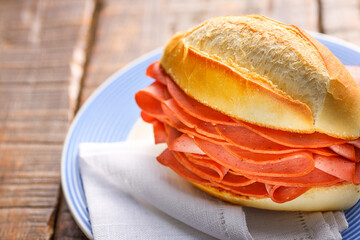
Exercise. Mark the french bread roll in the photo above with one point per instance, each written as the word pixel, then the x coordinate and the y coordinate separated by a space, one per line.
pixel 256 70
pixel 267 73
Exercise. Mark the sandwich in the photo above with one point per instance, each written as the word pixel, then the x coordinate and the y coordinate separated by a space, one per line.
pixel 257 113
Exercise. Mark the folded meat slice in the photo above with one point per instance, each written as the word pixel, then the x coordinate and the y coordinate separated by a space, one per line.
pixel 147 118
pixel 263 158
pixel 149 99
pixel 175 113
pixel 154 71
pixel 355 142
pixel 294 140
pixel 246 139
pixel 316 178
pixel 336 166
pixel 202 171
pixel 176 123
pixel 296 165
pixel 208 163
pixel 195 108
pixel 160 134
pixel 185 144
pixel 231 179
pixel 172 134
pixel 182 116
pixel 281 194
pixel 167 158
pixel 347 150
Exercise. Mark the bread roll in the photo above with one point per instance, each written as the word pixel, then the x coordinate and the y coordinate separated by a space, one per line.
pixel 266 73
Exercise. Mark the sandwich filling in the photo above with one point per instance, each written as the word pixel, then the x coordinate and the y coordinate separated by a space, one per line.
pixel 209 148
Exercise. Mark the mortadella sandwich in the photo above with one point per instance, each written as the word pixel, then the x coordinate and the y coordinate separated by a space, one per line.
pixel 257 113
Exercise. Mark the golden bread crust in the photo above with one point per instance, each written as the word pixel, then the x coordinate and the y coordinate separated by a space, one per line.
pixel 341 110
pixel 316 199
pixel 267 73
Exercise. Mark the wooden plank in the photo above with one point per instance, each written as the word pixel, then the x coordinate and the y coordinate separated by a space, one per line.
pixel 40 42
pixel 342 19
pixel 29 190
pixel 66 227
pixel 303 13
pixel 26 223
pixel 129 29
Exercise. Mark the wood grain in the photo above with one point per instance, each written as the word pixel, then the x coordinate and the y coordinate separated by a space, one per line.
pixel 66 227
pixel 342 19
pixel 38 41
pixel 129 29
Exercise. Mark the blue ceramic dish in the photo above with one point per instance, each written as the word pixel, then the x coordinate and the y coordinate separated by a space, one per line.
pixel 109 114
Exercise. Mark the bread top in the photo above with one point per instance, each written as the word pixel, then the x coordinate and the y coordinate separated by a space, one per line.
pixel 267 73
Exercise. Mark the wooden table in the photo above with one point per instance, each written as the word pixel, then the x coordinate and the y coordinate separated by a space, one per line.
pixel 54 53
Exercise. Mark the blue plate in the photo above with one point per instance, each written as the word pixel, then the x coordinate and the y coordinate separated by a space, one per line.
pixel 109 114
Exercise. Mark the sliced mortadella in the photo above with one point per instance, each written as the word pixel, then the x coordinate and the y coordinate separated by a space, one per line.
pixel 246 139
pixel 160 134
pixel 281 194
pixel 316 178
pixel 149 99
pixel 208 163
pixel 236 180
pixel 207 129
pixel 346 150
pixel 295 140
pixel 154 71
pixel 203 172
pixel 182 116
pixel 320 151
pixel 172 134
pixel 356 179
pixel 204 128
pixel 336 166
pixel 256 189
pixel 167 158
pixel 297 165
pixel 263 158
pixel 155 90
pixel 195 108
pixel 185 144
pixel 176 123
pixel 355 142
pixel 147 118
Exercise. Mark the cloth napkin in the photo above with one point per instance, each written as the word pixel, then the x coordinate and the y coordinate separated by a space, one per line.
pixel 131 196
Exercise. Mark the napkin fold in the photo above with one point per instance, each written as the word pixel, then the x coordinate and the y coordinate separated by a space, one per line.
pixel 131 196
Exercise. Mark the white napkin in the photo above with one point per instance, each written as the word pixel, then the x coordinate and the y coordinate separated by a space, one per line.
pixel 131 196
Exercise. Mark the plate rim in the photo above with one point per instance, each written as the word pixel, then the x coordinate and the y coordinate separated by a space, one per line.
pixel 113 77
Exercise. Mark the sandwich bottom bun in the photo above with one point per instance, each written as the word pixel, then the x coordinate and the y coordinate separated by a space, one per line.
pixel 316 199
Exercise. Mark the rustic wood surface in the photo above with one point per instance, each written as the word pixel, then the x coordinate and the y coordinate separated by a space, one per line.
pixel 38 39
pixel 54 54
